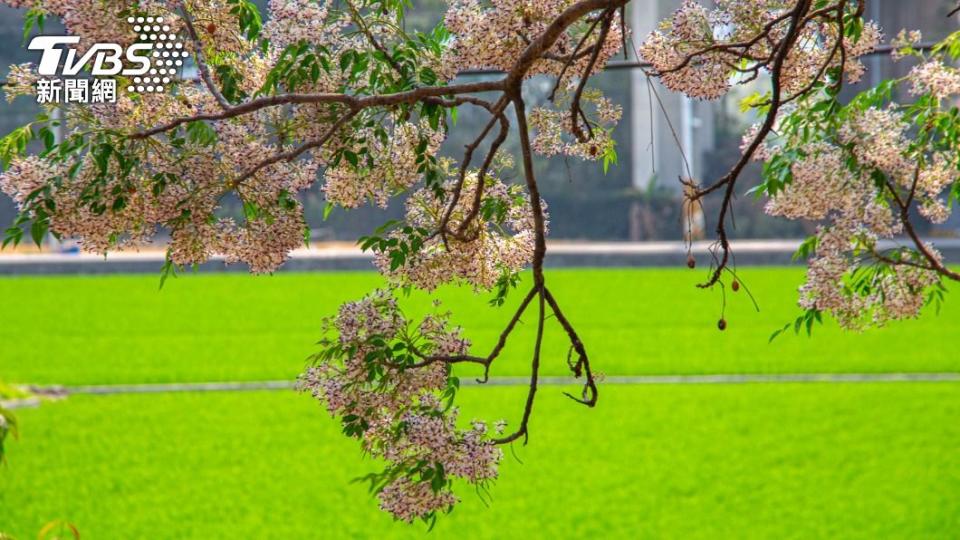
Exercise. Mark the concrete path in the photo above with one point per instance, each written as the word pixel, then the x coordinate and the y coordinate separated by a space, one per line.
pixel 345 257
pixel 786 378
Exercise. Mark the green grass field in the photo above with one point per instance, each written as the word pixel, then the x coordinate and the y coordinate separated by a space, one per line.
pixel 777 461
pixel 98 330
pixel 675 461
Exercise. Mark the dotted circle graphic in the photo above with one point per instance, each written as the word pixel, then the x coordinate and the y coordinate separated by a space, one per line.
pixel 165 60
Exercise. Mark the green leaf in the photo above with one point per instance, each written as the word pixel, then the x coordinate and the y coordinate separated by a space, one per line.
pixel 230 83
pixel 806 248
pixel 38 230
pixel 351 157
pixel 201 133
pixel 119 204
pixel 169 269
pixel 34 18
pixel 610 156
pixel 778 333
pixel 248 15
pixel 755 100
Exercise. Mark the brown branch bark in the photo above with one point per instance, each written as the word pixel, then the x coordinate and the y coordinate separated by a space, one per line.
pixel 730 179
pixel 538 49
pixel 202 62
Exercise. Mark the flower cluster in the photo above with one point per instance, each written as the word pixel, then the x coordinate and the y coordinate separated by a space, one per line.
pixel 699 51
pixel 95 21
pixel 858 295
pixel 391 168
pixel 835 183
pixel 690 30
pixel 500 242
pixel 386 379
pixel 293 21
pixel 862 170
pixel 118 192
pixel 880 140
pixel 866 42
pixel 904 42
pixel 553 126
pixel 495 37
pixel 21 81
pixel 114 191
pixel 217 25
pixel 25 176
pixel 934 78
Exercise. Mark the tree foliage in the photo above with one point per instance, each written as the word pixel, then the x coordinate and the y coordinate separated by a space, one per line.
pixel 343 94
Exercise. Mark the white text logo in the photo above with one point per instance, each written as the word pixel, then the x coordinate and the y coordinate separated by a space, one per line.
pixel 150 64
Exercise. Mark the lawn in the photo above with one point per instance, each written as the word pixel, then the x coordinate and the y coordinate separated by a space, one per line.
pixel 215 327
pixel 672 461
pixel 754 461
